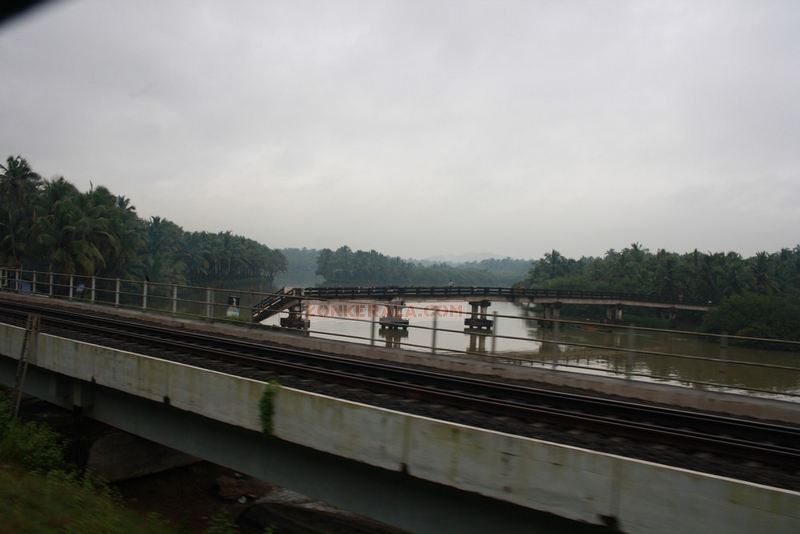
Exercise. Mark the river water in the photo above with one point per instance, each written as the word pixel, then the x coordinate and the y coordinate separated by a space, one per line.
pixel 714 362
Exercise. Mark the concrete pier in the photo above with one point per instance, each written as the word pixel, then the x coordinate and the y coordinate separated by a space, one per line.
pixel 614 313
pixel 393 337
pixel 394 317
pixel 295 319
pixel 478 321
pixel 550 311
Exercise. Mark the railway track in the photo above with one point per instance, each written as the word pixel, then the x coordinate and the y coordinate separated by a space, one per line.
pixel 739 439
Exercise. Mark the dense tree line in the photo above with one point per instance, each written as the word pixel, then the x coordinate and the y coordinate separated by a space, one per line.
pixel 345 266
pixel 757 296
pixel 51 225
pixel 508 271
pixel 694 276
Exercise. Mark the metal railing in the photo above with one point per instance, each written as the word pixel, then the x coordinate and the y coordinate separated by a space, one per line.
pixel 198 302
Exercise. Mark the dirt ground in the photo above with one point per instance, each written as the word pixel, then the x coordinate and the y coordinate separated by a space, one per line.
pixel 186 496
pixel 190 496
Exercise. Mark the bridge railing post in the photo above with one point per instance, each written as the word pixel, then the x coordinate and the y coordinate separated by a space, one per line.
pixel 435 328
pixel 33 285
pixel 116 293
pixel 144 295
pixel 71 286
pixel 19 278
pixel 174 299
pixel 50 291
pixel 94 288
pixel 373 313
pixel 629 355
pixel 723 357
pixel 494 332
pixel 209 300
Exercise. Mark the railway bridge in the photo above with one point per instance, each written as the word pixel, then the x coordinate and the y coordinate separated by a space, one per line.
pixel 314 422
pixel 551 300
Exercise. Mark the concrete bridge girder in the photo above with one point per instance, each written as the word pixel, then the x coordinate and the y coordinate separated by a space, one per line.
pixel 407 470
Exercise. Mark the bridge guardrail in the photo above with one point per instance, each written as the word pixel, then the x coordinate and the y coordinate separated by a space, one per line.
pixel 203 302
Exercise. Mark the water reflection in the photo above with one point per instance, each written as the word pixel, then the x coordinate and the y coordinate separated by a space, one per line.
pixel 477 342
pixel 393 338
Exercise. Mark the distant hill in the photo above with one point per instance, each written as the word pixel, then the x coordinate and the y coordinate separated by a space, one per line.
pixel 455 259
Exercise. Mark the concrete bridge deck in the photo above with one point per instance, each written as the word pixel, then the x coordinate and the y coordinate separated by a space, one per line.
pixel 507 293
pixel 414 472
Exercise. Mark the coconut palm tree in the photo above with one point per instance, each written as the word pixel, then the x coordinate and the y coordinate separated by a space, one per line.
pixel 19 186
pixel 68 236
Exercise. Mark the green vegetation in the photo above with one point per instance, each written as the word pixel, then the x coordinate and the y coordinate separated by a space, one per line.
pixel 58 503
pixel 266 407
pixel 757 296
pixel 49 225
pixel 32 446
pixel 695 277
pixel 221 523
pixel 39 492
pixel 361 268
pixel 753 315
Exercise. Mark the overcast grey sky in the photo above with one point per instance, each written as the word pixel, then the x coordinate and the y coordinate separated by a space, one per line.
pixel 423 128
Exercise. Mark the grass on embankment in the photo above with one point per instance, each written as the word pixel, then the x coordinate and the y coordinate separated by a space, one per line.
pixel 59 503
pixel 41 492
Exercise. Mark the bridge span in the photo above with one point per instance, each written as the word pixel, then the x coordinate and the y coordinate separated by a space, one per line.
pixel 293 299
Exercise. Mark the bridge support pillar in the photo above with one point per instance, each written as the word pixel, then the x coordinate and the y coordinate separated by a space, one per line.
pixel 393 336
pixel 618 313
pixel 295 319
pixel 394 317
pixel 550 311
pixel 547 312
pixel 477 322
pixel 477 342
pixel 610 313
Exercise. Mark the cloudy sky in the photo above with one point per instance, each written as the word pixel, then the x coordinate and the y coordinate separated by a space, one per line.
pixel 423 128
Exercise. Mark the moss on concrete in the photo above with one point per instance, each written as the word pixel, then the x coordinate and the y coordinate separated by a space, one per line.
pixel 266 407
